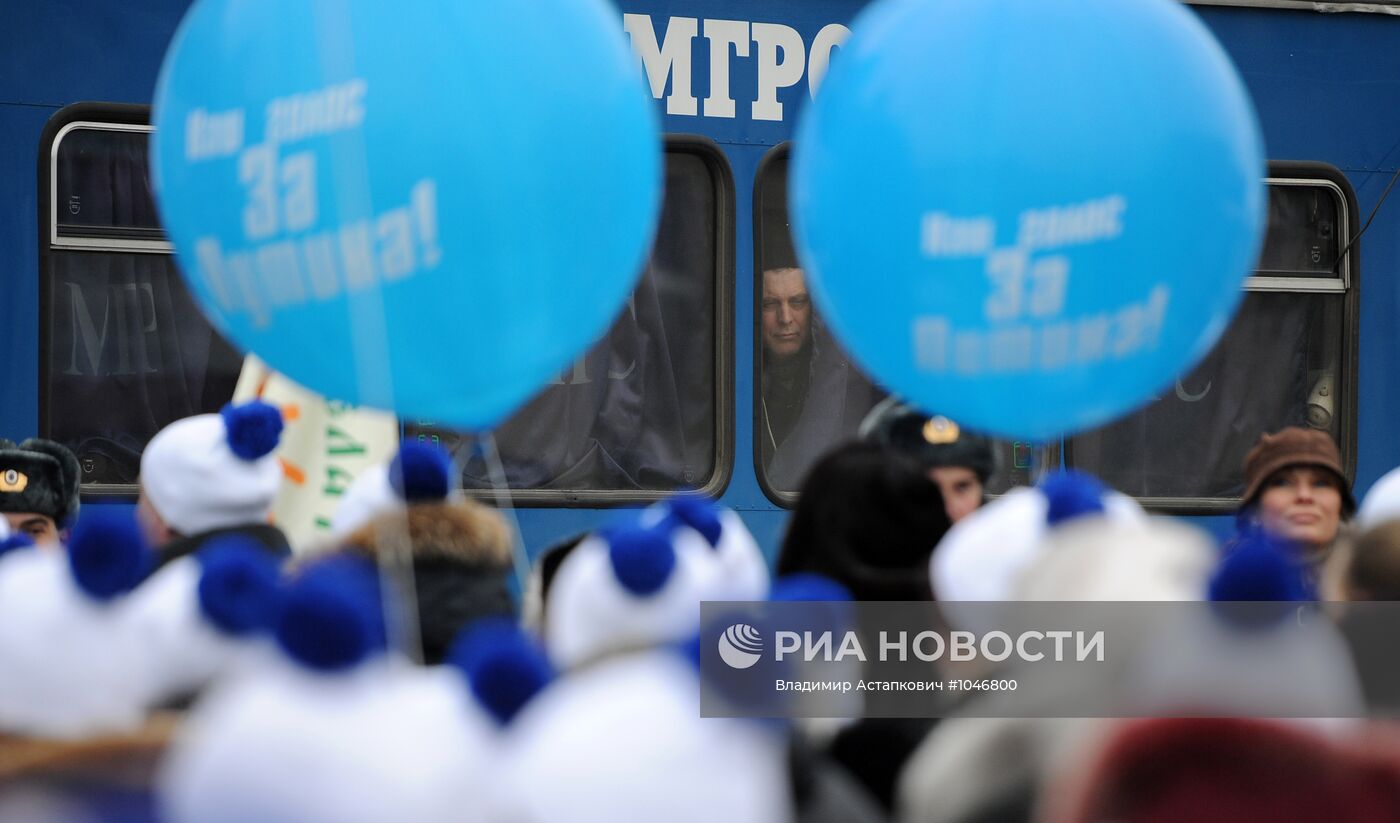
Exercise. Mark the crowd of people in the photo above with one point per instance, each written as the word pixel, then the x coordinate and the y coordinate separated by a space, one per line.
pixel 183 664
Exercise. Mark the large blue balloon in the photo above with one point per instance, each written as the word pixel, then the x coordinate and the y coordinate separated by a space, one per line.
pixel 1029 215
pixel 426 206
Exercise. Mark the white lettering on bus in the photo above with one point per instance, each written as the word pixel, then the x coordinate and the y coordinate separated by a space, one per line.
pixel 782 61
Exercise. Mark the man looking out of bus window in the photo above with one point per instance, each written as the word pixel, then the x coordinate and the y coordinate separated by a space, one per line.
pixel 787 353
pixel 812 397
pixel 38 489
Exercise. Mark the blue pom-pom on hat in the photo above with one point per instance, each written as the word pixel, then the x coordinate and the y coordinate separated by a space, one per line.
pixel 107 554
pixel 642 558
pixel 238 585
pixel 254 428
pixel 690 650
pixel 332 617
pixel 806 587
pixel 15 541
pixel 421 472
pixel 503 666
pixel 1070 494
pixel 1260 567
pixel 699 514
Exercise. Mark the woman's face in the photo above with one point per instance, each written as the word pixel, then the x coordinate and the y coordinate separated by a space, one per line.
pixel 1302 503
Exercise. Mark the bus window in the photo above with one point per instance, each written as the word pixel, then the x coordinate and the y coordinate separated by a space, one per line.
pixel 809 395
pixel 124 349
pixel 639 414
pixel 1284 361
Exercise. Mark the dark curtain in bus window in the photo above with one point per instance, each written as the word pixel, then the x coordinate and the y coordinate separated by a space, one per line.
pixel 1192 441
pixel 103 184
pixel 1302 240
pixel 637 411
pixel 128 353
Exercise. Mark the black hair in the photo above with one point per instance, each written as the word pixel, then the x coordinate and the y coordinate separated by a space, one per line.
pixel 869 518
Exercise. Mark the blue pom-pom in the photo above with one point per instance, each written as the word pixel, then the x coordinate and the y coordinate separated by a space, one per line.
pixel 698 514
pixel 807 587
pixel 642 559
pixel 503 666
pixel 19 540
pixel 1260 567
pixel 421 472
pixel 253 428
pixel 690 651
pixel 107 554
pixel 1071 494
pixel 332 614
pixel 238 589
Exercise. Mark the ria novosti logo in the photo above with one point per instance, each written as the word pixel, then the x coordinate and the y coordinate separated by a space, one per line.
pixel 740 646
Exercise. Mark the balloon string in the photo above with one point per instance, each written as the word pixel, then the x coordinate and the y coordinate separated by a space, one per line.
pixel 349 164
pixel 1040 463
pixel 395 556
pixel 501 491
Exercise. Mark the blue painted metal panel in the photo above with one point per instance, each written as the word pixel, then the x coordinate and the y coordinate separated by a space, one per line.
pixel 59 53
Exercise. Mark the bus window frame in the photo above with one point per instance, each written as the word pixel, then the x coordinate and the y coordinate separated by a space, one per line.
pixel 720 170
pixel 123 117
pixel 1321 6
pixel 778 153
pixel 1346 283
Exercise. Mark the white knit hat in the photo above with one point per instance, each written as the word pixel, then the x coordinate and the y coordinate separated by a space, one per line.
pixel 1100 559
pixel 418 473
pixel 379 742
pixel 201 616
pixel 69 668
pixel 338 729
pixel 214 471
pixel 1381 503
pixel 1272 660
pixel 984 554
pixel 623 740
pixel 632 587
pixel 743 573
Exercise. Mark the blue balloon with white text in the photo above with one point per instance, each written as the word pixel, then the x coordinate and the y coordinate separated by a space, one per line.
pixel 429 207
pixel 1029 216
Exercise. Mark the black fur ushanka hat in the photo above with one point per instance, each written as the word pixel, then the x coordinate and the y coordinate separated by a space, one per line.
pixel 39 476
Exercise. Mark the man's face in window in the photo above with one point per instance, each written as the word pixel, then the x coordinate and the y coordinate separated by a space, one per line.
pixel 787 312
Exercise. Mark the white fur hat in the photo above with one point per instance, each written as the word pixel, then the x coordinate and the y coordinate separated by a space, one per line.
pixel 624 740
pixel 633 586
pixel 1381 503
pixel 214 471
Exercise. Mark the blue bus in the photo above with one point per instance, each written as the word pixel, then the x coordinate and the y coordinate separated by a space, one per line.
pixel 104 346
